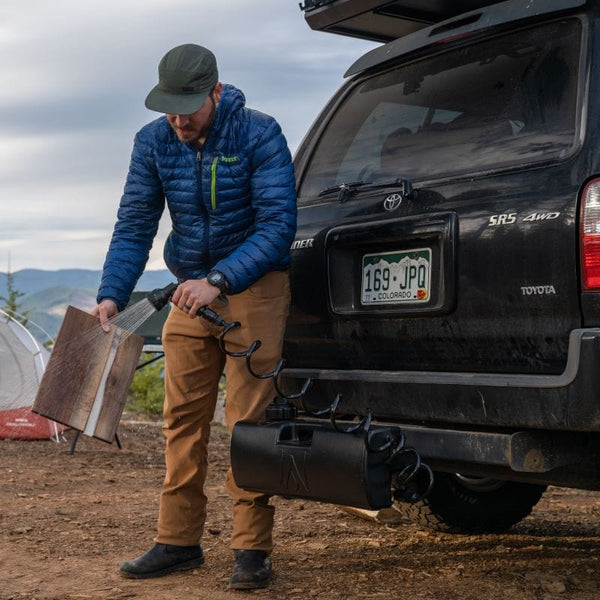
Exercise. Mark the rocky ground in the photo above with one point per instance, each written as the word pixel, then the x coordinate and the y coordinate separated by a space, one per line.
pixel 67 521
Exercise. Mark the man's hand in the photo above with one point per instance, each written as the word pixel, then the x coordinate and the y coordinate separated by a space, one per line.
pixel 194 294
pixel 105 311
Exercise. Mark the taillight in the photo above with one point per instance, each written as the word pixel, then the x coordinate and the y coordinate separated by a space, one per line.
pixel 590 236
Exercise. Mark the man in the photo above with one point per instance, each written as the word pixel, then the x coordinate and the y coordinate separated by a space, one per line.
pixel 226 174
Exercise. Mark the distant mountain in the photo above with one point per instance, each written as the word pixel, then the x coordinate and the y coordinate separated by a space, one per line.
pixel 45 309
pixel 48 293
pixel 30 281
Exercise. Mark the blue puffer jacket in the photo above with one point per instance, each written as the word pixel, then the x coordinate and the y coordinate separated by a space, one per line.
pixel 232 204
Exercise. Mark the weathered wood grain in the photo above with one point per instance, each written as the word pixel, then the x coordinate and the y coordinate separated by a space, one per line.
pixel 87 377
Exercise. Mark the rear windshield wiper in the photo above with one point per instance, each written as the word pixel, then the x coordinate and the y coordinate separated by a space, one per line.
pixel 405 187
pixel 344 190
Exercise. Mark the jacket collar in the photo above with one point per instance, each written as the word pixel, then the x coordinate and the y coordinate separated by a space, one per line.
pixel 232 100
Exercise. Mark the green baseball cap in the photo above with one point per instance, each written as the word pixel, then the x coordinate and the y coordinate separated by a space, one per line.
pixel 186 76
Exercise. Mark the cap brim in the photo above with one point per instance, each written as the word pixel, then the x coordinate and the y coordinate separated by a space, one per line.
pixel 174 104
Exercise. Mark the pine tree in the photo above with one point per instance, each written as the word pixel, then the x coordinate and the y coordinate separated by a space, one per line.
pixel 11 300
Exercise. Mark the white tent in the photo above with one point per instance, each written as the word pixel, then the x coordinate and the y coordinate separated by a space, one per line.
pixel 22 363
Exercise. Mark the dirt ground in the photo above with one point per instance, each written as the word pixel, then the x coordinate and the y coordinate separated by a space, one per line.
pixel 67 521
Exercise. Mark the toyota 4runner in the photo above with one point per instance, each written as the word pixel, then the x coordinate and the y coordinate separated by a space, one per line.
pixel 446 270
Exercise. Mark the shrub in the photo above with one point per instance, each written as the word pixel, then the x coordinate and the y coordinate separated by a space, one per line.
pixel 147 393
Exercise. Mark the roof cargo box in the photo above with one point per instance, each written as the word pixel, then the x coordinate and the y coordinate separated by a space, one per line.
pixel 382 20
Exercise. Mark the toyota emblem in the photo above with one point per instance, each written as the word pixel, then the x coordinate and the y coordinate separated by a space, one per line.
pixel 392 202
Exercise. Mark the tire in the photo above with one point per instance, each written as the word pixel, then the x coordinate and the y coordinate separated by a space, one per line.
pixel 460 504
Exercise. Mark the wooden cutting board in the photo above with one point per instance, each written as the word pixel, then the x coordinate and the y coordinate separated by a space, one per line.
pixel 86 380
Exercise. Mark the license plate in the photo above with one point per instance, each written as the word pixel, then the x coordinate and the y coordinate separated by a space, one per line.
pixel 396 277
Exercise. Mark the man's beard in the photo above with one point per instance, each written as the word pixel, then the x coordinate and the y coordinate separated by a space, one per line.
pixel 201 135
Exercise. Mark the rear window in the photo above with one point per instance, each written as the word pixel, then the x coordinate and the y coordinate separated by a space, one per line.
pixel 509 100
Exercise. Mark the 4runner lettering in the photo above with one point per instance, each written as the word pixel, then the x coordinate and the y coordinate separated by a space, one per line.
pixel 298 244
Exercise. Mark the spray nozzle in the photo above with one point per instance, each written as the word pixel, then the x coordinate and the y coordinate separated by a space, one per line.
pixel 160 296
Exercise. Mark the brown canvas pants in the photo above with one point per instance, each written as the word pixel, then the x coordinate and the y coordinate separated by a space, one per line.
pixel 194 364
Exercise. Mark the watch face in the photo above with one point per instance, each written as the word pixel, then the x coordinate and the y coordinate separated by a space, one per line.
pixel 217 279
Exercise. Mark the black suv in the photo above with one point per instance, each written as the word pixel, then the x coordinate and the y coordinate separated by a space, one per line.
pixel 446 270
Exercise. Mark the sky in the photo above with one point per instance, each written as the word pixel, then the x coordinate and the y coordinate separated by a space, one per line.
pixel 75 74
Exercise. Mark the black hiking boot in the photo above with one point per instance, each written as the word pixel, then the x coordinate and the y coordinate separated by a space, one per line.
pixel 252 570
pixel 162 559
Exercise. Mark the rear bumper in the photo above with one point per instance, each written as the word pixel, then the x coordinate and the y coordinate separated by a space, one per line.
pixel 545 457
pixel 567 401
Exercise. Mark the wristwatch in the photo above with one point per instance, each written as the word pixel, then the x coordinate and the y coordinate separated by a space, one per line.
pixel 217 279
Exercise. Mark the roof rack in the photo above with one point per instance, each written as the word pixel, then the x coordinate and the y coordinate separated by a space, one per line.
pixel 383 20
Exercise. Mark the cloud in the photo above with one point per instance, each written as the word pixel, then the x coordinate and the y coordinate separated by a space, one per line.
pixel 75 75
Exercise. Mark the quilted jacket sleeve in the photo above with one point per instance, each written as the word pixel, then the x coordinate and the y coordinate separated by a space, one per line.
pixel 273 191
pixel 139 213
